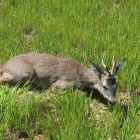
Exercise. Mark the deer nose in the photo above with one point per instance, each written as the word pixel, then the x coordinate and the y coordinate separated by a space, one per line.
pixel 113 101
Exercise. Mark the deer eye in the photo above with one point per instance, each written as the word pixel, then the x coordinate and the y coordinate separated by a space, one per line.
pixel 105 87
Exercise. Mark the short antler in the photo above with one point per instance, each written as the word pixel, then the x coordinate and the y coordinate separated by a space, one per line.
pixel 105 66
pixel 114 65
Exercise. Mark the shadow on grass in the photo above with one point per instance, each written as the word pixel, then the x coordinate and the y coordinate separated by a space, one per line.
pixel 118 107
pixel 95 94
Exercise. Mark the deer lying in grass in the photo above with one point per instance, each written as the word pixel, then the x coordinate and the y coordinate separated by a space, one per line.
pixel 46 70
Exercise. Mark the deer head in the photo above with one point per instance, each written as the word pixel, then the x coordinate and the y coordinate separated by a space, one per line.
pixel 106 79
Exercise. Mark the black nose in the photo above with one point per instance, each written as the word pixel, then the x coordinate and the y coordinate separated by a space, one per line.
pixel 113 101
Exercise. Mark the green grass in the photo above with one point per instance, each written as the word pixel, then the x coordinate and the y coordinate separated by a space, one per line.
pixel 81 30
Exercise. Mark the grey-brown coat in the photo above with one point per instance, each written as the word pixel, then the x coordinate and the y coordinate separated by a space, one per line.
pixel 46 70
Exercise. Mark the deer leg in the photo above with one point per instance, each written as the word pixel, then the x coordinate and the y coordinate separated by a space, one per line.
pixel 2 80
pixel 61 85
pixel 6 78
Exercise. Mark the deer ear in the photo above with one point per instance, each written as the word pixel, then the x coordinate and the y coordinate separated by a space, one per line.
pixel 95 68
pixel 119 67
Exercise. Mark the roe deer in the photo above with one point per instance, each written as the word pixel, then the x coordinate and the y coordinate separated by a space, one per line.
pixel 46 70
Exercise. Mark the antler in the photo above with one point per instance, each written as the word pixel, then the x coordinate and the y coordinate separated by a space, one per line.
pixel 114 65
pixel 105 66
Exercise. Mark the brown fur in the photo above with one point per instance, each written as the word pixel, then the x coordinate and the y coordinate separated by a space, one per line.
pixel 47 70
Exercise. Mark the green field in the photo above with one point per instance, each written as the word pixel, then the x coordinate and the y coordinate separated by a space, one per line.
pixel 82 30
